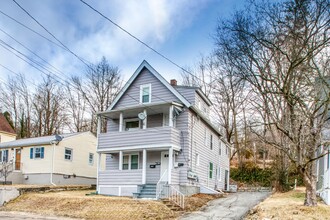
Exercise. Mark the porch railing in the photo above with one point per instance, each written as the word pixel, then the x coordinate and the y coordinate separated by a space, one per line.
pixel 175 196
pixel 160 185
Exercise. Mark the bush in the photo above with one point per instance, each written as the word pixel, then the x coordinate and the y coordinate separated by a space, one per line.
pixel 252 175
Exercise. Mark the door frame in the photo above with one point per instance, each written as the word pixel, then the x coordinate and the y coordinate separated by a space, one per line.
pixel 164 167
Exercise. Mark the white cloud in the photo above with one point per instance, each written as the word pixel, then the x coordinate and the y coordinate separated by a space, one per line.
pixel 91 36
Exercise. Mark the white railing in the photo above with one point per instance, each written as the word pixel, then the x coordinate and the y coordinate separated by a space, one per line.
pixel 160 185
pixel 175 196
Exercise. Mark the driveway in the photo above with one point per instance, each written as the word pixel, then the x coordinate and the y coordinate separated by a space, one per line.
pixel 233 206
pixel 24 215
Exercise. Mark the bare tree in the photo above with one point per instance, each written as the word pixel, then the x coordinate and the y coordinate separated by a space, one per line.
pixel 100 85
pixel 77 109
pixel 281 50
pixel 48 108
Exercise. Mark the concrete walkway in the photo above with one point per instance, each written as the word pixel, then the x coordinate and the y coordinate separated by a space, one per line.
pixel 233 206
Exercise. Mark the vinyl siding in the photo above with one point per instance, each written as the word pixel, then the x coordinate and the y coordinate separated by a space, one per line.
pixel 155 121
pixel 188 93
pixel 120 177
pixel 159 93
pixel 141 137
pixel 112 125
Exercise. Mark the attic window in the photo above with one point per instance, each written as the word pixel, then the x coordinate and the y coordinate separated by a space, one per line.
pixel 145 93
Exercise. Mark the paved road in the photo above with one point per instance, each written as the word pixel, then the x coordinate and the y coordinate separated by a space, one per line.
pixel 233 206
pixel 23 215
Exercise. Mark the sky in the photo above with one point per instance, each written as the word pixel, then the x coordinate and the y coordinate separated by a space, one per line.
pixel 178 29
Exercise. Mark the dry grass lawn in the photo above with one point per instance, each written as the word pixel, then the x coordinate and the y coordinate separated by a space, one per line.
pixel 76 204
pixel 289 205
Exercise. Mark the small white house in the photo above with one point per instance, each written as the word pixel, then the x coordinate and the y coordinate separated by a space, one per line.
pixel 56 159
pixel 323 174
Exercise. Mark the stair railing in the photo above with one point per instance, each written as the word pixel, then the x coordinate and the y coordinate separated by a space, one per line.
pixel 160 185
pixel 176 196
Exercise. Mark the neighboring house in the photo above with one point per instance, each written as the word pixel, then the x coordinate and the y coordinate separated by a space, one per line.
pixel 7 133
pixel 56 159
pixel 160 133
pixel 323 174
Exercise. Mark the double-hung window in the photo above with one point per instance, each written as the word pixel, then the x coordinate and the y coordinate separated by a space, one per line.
pixel 37 152
pixel 91 159
pixel 4 155
pixel 68 154
pixel 145 93
pixel 131 162
pixel 210 170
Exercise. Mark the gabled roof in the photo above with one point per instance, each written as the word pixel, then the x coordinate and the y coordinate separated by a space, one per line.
pixel 37 141
pixel 137 72
pixel 5 126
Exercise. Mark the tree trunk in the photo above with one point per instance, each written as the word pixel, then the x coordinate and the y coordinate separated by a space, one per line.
pixel 310 184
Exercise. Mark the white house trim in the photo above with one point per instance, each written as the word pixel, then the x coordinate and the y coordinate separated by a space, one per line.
pixel 135 148
pixel 146 65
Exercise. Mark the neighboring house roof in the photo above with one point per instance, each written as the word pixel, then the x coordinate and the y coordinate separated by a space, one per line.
pixel 46 140
pixel 146 65
pixel 5 126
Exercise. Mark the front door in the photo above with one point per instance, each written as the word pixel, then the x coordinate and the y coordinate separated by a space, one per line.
pixel 164 165
pixel 17 159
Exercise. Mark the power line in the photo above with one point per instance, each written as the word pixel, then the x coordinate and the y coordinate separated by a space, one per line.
pixel 136 38
pixel 50 33
pixel 31 29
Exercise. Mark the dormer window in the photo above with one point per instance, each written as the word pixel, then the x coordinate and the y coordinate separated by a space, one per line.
pixel 145 93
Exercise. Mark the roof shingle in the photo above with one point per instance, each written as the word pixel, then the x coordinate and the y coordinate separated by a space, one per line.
pixel 5 126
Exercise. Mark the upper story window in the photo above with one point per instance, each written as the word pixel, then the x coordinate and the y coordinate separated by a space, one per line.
pixel 211 141
pixel 37 152
pixel 145 93
pixel 220 146
pixel 68 154
pixel 132 124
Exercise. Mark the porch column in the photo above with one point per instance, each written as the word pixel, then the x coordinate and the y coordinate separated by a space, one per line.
pixel 144 166
pixel 170 116
pixel 98 171
pixel 170 163
pixel 144 122
pixel 121 119
pixel 120 160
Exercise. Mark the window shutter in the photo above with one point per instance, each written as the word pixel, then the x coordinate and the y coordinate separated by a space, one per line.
pixel 31 153
pixel 42 152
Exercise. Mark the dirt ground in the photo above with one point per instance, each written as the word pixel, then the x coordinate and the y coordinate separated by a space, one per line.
pixel 84 204
pixel 288 205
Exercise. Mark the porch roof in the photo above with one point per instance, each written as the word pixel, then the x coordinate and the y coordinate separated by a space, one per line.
pixel 131 111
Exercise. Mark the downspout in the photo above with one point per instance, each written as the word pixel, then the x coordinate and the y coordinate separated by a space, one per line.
pixel 53 159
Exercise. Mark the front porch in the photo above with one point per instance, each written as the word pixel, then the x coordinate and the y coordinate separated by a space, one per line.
pixel 124 171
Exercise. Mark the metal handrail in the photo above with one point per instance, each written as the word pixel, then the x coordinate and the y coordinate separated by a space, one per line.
pixel 160 185
pixel 175 196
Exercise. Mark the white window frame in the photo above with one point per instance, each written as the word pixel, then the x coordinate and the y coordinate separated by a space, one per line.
pixel 2 155
pixel 70 155
pixel 130 161
pixel 89 159
pixel 35 153
pixel 141 93
pixel 132 119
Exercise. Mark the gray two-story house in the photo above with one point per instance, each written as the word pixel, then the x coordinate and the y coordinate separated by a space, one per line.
pixel 159 133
